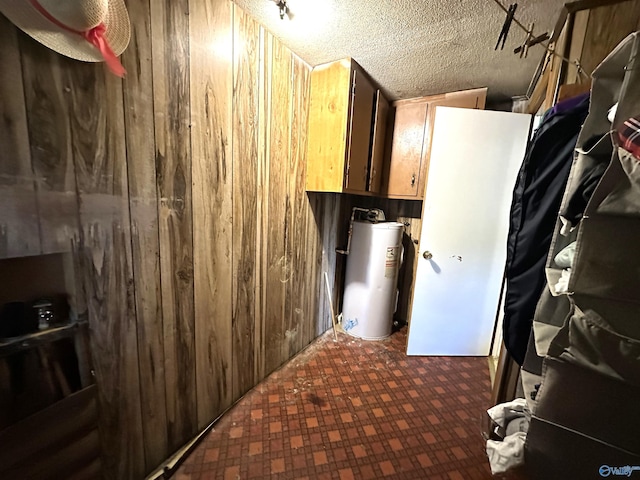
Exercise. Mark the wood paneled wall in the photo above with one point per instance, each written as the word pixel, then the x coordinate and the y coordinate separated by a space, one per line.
pixel 180 192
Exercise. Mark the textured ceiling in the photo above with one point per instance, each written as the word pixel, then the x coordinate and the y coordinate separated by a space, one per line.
pixel 414 48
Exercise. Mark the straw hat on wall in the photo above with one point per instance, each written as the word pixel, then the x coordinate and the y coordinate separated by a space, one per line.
pixel 87 30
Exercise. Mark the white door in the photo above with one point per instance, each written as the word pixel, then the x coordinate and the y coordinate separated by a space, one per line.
pixel 475 158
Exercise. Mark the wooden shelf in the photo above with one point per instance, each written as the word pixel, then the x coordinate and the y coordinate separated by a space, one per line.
pixel 25 342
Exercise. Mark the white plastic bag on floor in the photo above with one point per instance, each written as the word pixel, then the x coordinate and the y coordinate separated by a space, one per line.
pixel 514 418
pixel 507 454
pixel 505 412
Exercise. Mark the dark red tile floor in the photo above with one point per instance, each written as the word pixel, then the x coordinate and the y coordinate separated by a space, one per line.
pixel 354 410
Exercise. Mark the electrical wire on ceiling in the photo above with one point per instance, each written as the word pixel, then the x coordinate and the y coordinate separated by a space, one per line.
pixel 531 40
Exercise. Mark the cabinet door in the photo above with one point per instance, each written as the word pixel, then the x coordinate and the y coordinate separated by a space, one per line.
pixel 360 133
pixel 328 126
pixel 473 99
pixel 378 139
pixel 406 149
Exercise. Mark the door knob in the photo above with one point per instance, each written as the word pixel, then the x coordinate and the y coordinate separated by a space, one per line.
pixel 427 255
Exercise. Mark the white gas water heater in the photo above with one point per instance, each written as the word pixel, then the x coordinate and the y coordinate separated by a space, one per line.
pixel 374 255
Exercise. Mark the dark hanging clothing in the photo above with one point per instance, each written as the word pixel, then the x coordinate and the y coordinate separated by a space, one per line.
pixel 577 202
pixel 536 200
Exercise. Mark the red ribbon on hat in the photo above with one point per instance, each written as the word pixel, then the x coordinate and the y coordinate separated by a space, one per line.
pixel 94 36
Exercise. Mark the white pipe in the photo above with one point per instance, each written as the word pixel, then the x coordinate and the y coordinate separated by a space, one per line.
pixel 376 211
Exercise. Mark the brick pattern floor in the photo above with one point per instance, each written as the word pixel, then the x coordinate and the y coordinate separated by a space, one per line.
pixel 354 410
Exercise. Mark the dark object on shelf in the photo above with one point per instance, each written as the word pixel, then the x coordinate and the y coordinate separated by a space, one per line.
pixel 16 320
pixel 51 311
pixel 43 310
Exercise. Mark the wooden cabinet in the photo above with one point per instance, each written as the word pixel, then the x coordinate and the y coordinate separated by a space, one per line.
pixel 347 123
pixel 405 173
pixel 381 112
pixel 349 145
